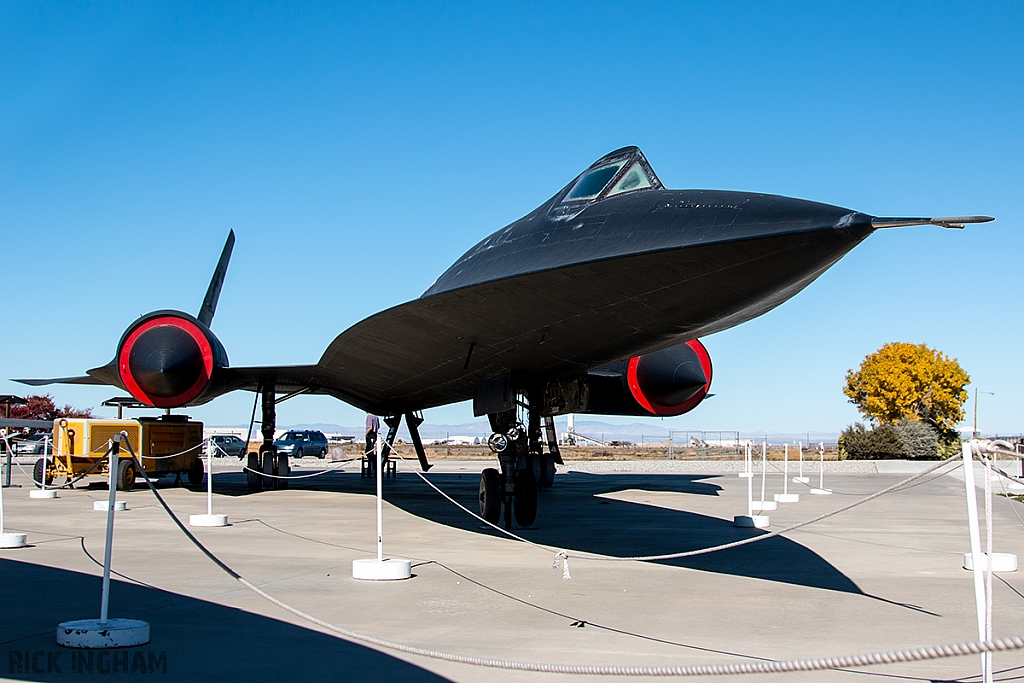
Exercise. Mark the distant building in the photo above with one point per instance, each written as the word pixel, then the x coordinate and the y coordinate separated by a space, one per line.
pixel 340 438
pixel 455 441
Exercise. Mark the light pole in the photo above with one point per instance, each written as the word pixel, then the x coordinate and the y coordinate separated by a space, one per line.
pixel 974 431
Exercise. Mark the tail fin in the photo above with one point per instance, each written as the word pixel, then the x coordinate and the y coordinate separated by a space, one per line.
pixel 209 306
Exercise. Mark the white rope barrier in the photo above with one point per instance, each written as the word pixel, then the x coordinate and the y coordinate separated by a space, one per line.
pixel 99 460
pixel 814 664
pixel 563 555
pixel 30 476
pixel 329 467
pixel 329 470
pixel 172 455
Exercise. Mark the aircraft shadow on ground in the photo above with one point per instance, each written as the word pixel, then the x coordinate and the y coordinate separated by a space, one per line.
pixel 576 515
pixel 192 639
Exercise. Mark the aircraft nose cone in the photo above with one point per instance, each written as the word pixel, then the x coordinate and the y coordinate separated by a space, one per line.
pixel 165 361
pixel 672 376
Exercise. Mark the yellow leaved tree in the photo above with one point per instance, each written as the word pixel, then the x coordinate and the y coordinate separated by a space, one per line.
pixel 909 381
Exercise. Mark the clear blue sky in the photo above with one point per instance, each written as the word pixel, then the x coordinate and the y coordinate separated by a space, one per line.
pixel 357 150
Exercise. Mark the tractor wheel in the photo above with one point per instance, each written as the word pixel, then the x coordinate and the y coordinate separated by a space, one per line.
pixel 195 473
pixel 37 473
pixel 125 475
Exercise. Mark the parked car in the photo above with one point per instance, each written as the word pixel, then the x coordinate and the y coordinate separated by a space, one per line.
pixel 33 443
pixel 297 443
pixel 229 444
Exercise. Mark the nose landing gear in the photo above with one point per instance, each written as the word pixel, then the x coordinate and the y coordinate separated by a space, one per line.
pixel 525 467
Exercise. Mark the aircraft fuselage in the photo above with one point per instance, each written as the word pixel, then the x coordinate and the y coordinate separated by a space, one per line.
pixel 558 293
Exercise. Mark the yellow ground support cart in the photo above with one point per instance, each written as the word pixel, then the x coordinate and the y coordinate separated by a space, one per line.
pixel 169 444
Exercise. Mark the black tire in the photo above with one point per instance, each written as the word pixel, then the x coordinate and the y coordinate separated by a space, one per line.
pixel 490 495
pixel 323 453
pixel 298 453
pixel 547 471
pixel 195 473
pixel 284 468
pixel 536 461
pixel 268 468
pixel 525 498
pixel 37 473
pixel 252 473
pixel 126 475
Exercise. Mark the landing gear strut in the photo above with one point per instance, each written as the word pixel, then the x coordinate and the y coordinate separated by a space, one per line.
pixel 268 461
pixel 369 461
pixel 525 467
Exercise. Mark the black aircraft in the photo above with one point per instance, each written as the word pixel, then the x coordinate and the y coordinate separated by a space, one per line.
pixel 592 303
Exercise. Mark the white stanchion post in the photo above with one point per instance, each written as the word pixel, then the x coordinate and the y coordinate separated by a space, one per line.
pixel 8 461
pixel 380 500
pixel 763 504
pixel 801 479
pixel 988 564
pixel 750 520
pixel 209 478
pixel 381 569
pixel 764 463
pixel 786 496
pixel 112 464
pixel 821 490
pixel 104 505
pixel 42 492
pixel 104 632
pixel 998 563
pixel 748 464
pixel 750 484
pixel 209 519
pixel 8 540
pixel 978 559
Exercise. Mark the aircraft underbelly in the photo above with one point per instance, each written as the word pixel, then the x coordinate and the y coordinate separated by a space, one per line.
pixel 564 321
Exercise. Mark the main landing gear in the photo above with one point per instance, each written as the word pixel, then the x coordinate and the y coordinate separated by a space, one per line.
pixel 412 422
pixel 525 467
pixel 268 461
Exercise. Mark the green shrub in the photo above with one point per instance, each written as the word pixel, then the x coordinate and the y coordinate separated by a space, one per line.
pixel 880 443
pixel 910 439
pixel 919 440
pixel 949 444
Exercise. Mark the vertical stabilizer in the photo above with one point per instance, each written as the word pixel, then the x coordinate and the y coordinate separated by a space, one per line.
pixel 209 306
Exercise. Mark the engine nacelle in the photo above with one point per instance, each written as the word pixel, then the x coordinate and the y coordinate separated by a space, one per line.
pixel 671 381
pixel 666 383
pixel 166 358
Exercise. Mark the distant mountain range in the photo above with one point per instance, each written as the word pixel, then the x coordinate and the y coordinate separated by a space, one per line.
pixel 603 431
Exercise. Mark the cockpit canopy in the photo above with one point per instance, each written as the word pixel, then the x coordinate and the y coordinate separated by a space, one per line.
pixel 624 170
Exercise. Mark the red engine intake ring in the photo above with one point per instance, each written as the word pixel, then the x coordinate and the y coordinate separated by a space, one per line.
pixel 133 387
pixel 671 411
